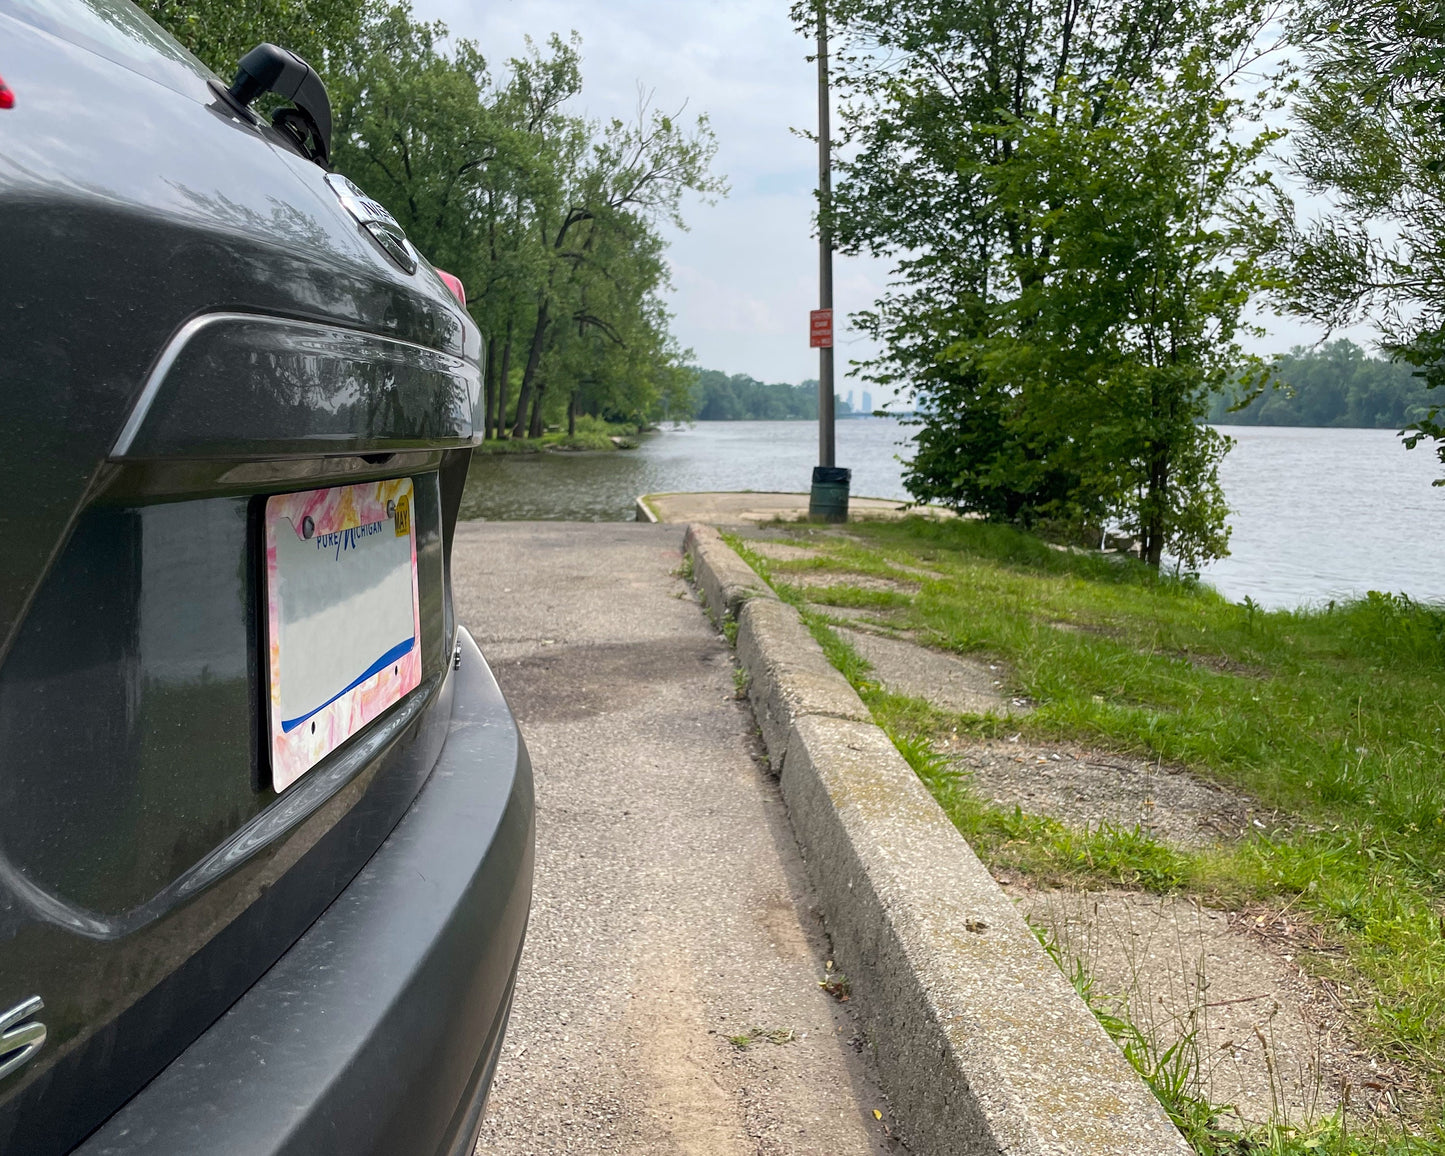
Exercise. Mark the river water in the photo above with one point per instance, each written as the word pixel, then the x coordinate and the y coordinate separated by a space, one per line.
pixel 1317 513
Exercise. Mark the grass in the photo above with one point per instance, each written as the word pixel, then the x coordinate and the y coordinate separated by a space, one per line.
pixel 1049 851
pixel 1332 715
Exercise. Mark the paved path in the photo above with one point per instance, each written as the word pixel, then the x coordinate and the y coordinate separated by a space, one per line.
pixel 729 508
pixel 671 911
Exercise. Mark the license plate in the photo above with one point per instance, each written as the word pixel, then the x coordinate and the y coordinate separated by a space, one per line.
pixel 343 629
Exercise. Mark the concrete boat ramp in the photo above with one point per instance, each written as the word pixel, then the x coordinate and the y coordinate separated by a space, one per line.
pixel 668 999
pixel 757 506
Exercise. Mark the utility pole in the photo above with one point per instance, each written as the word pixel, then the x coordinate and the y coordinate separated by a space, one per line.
pixel 825 243
pixel 829 496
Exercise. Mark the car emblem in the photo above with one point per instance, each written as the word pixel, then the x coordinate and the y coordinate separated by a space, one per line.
pixel 378 223
pixel 20 1040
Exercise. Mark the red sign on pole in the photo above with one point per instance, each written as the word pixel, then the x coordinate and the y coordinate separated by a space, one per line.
pixel 820 329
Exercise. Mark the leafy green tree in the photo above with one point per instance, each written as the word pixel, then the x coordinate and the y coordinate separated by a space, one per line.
pixel 1337 384
pixel 612 344
pixel 220 32
pixel 718 397
pixel 468 164
pixel 1064 188
pixel 1125 326
pixel 630 179
pixel 413 129
pixel 1371 137
pixel 551 220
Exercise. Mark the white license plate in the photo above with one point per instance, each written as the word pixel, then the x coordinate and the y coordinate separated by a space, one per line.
pixel 343 626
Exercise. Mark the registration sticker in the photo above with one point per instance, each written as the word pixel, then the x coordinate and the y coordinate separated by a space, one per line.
pixel 343 625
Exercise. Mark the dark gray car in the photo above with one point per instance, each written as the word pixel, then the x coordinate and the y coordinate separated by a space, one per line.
pixel 249 903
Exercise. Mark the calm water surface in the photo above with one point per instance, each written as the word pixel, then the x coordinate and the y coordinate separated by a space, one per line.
pixel 1317 513
pixel 711 455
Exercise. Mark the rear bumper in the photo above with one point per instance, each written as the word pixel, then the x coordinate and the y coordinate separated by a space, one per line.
pixel 377 1033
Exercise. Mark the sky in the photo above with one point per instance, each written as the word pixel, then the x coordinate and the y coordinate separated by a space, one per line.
pixel 745 274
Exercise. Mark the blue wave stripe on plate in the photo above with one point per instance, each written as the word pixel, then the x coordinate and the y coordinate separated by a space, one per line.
pixel 401 648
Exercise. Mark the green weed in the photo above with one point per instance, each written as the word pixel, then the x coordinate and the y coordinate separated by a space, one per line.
pixel 776 1036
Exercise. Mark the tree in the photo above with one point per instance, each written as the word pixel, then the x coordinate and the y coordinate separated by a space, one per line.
pixel 1124 324
pixel 1371 137
pixel 467 164
pixel 614 195
pixel 1063 192
pixel 1337 384
pixel 412 127
pixel 718 397
pixel 551 220
pixel 220 32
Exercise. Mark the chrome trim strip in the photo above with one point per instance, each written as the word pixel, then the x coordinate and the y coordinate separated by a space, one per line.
pixel 20 1043
pixel 21 1011
pixel 158 373
pixel 186 332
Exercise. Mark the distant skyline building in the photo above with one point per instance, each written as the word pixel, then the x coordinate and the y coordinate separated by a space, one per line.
pixel 849 399
pixel 867 401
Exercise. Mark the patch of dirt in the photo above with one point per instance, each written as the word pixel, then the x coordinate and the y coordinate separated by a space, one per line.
pixel 690 1111
pixel 1086 628
pixel 696 1092
pixel 1221 664
pixel 948 681
pixel 1084 788
pixel 778 920
pixel 778 531
pixel 781 551
pixel 790 545
pixel 865 616
pixel 814 578
pixel 921 571
pixel 1268 1037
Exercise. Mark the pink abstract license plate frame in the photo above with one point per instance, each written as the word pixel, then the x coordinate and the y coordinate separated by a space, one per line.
pixel 343 619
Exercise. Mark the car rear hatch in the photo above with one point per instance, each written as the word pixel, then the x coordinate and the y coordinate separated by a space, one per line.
pixel 192 325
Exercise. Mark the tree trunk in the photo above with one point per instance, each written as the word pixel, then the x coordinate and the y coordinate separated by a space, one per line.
pixel 572 415
pixel 489 391
pixel 1153 549
pixel 534 357
pixel 535 429
pixel 499 413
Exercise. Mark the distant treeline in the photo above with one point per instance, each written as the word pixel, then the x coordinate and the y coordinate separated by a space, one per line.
pixel 1338 384
pixel 719 397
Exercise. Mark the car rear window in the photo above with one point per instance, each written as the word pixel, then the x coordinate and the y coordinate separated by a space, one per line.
pixel 118 31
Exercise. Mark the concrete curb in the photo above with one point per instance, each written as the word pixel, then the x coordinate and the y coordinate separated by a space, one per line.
pixel 789 676
pixel 726 581
pixel 982 1044
pixel 643 511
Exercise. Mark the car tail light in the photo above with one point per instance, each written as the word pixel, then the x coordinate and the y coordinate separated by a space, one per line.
pixel 454 283
pixel 7 100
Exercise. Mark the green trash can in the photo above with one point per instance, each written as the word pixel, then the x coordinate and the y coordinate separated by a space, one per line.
pixel 829 498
